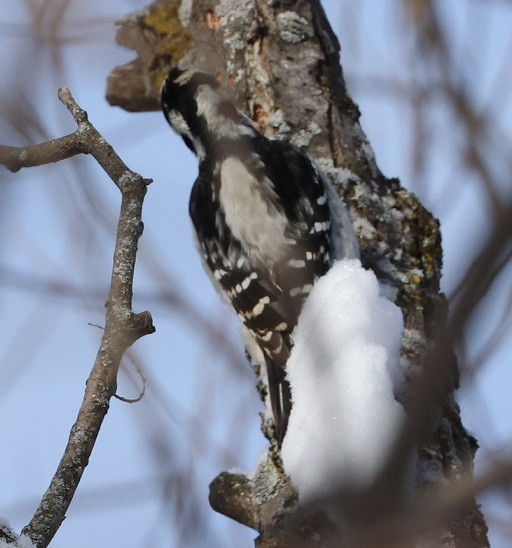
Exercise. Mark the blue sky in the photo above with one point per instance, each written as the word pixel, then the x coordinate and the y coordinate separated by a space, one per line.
pixel 49 347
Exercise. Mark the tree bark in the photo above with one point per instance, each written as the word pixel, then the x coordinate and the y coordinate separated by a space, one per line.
pixel 281 62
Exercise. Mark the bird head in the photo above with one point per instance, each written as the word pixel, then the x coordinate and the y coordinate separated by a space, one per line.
pixel 198 109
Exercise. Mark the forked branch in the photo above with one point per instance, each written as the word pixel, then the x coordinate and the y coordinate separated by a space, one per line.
pixel 122 327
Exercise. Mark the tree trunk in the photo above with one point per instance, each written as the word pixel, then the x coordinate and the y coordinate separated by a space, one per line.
pixel 281 62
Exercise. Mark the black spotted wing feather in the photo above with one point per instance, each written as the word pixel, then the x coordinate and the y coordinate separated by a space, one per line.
pixel 244 283
pixel 267 299
pixel 300 186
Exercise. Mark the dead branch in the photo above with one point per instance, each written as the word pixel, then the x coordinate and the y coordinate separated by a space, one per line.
pixel 122 328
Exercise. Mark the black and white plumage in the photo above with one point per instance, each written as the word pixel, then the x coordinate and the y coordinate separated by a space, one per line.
pixel 262 217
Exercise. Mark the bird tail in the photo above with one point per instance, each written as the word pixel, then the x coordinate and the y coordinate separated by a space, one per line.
pixel 275 351
pixel 280 397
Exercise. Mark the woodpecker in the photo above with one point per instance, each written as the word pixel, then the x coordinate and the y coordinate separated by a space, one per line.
pixel 263 216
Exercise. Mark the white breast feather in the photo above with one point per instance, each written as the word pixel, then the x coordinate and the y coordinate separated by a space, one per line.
pixel 257 224
pixel 180 126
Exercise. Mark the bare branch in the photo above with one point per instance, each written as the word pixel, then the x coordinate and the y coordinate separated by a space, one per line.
pixel 85 140
pixel 122 328
pixel 14 158
pixel 231 495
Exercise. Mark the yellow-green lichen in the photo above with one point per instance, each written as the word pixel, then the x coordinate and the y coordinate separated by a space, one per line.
pixel 174 39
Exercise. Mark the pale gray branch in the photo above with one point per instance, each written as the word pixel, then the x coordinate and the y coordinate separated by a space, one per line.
pixel 122 327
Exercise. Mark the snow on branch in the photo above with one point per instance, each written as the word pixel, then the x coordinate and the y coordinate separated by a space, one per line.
pixel 344 372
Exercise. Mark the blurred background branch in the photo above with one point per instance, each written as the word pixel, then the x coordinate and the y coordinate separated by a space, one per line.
pixel 432 80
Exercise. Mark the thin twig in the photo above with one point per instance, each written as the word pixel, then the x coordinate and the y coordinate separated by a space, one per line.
pixel 122 326
pixel 138 368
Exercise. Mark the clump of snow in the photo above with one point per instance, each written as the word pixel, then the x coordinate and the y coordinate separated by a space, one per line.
pixel 344 371
pixel 25 542
pixel 22 541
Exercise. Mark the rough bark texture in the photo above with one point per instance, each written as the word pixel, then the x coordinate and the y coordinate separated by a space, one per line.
pixel 281 62
pixel 122 327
